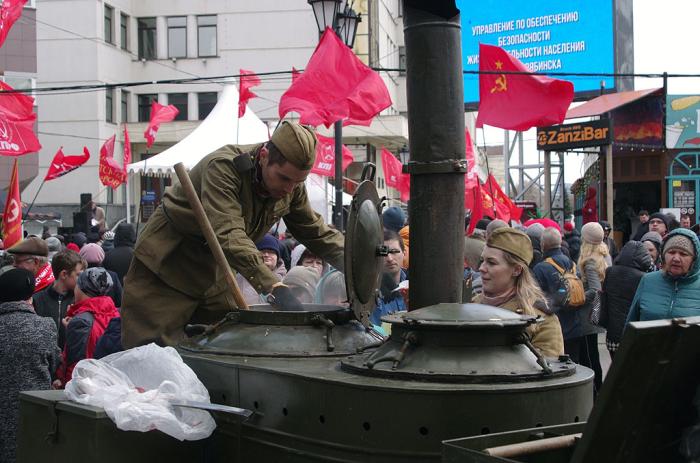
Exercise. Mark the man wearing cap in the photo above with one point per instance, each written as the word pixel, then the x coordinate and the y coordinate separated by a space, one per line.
pixel 674 292
pixel 30 254
pixel 174 280
pixel 659 222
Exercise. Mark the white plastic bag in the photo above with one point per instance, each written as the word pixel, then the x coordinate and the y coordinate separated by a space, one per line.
pixel 135 388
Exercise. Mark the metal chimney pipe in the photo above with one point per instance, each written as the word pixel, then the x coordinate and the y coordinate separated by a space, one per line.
pixel 435 96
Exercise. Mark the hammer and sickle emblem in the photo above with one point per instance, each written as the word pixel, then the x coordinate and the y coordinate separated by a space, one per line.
pixel 501 84
pixel 14 211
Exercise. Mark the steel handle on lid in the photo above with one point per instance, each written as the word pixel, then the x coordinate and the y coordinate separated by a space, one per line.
pixel 209 234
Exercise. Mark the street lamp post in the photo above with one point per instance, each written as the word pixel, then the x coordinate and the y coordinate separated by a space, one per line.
pixel 339 16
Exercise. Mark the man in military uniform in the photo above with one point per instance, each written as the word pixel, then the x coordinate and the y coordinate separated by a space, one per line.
pixel 173 278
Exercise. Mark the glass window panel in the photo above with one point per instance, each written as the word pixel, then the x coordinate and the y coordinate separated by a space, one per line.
pixel 206 35
pixel 125 106
pixel 177 37
pixel 206 101
pixel 206 20
pixel 147 38
pixel 179 100
pixel 109 105
pixel 124 31
pixel 109 16
pixel 145 106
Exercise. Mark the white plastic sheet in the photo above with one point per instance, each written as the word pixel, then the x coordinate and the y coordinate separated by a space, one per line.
pixel 135 388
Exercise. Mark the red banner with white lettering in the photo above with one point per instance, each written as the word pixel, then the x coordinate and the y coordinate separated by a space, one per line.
pixel 44 277
pixel 10 11
pixel 111 173
pixel 62 164
pixel 17 119
pixel 159 115
pixel 12 214
pixel 325 157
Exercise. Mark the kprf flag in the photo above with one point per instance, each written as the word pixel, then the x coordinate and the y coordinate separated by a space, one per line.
pixel 111 173
pixel 127 151
pixel 62 164
pixel 17 119
pixel 335 86
pixel 10 11
pixel 393 175
pixel 469 151
pixel 159 115
pixel 325 157
pixel 518 101
pixel 12 214
pixel 247 80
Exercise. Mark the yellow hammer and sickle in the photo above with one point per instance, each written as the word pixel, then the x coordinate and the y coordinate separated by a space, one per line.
pixel 501 84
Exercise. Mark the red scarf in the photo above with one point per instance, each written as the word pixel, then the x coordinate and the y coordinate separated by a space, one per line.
pixel 103 310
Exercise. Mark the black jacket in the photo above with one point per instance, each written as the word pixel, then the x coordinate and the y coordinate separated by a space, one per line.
pixel 49 303
pixel 642 230
pixel 119 258
pixel 620 285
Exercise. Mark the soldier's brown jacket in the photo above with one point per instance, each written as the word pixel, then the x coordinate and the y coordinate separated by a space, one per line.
pixel 172 245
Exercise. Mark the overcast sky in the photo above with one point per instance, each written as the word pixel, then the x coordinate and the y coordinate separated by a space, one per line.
pixel 666 38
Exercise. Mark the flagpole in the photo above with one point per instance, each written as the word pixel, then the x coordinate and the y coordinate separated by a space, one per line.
pixel 35 196
pixel 138 215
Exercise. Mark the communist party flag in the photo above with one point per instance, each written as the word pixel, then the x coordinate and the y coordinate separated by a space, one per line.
pixel 518 101
pixel 17 119
pixel 12 214
pixel 469 151
pixel 473 200
pixel 247 80
pixel 335 86
pixel 10 11
pixel 159 115
pixel 62 164
pixel 111 173
pixel 127 150
pixel 393 175
pixel 325 157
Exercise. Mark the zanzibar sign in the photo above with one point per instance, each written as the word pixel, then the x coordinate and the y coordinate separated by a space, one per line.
pixel 580 135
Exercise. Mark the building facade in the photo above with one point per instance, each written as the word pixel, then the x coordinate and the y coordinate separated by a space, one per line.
pixel 93 42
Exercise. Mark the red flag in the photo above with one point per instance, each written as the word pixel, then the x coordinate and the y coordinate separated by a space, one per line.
pixel 248 80
pixel 127 149
pixel 518 101
pixel 325 157
pixel 504 204
pixel 10 11
pixel 17 119
pixel 62 164
pixel 469 151
pixel 44 277
pixel 335 86
pixel 159 115
pixel 473 200
pixel 12 214
pixel 393 176
pixel 111 173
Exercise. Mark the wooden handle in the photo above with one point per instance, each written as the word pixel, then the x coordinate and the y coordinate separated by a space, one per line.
pixel 209 234
pixel 531 447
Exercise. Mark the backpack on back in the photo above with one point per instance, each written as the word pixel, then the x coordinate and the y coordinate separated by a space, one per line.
pixel 570 285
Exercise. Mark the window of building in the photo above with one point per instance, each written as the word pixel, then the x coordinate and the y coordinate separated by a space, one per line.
pixel 109 22
pixel 207 101
pixel 177 37
pixel 147 38
pixel 206 35
pixel 402 60
pixel 125 106
pixel 145 106
pixel 179 100
pixel 109 105
pixel 124 31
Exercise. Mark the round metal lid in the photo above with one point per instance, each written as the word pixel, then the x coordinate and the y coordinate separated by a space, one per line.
pixel 460 315
pixel 364 244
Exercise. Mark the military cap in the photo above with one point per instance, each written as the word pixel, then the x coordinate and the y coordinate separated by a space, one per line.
pixel 297 143
pixel 33 246
pixel 513 242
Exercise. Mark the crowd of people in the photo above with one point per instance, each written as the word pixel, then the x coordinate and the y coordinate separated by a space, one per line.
pixel 60 297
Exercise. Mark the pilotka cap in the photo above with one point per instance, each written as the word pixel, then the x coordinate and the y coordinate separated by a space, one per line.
pixel 511 241
pixel 297 143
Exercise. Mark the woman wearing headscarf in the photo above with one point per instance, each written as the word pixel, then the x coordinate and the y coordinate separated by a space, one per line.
pixel 508 284
pixel 652 241
pixel 674 292
pixel 592 262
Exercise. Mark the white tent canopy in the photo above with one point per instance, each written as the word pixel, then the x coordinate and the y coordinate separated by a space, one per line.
pixel 221 127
